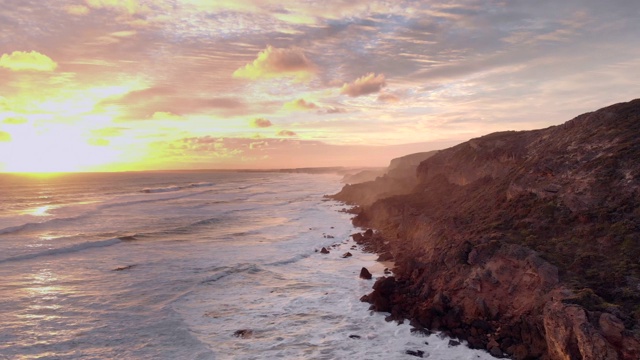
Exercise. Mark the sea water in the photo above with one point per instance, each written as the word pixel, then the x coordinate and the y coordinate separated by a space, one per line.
pixel 189 265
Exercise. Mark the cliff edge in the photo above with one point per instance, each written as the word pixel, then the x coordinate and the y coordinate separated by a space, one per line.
pixel 526 244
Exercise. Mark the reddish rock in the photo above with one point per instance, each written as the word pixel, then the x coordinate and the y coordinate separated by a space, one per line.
pixel 346 255
pixel 612 328
pixel 365 274
pixel 324 251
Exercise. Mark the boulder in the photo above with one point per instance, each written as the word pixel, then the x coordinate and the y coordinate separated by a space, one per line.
pixel 365 274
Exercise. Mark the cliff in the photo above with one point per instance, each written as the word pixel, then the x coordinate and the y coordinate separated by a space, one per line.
pixel 398 178
pixel 526 244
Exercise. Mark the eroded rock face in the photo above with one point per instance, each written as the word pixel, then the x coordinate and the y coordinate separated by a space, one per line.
pixel 502 237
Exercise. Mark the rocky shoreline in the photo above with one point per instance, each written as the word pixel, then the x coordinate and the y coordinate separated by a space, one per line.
pixel 525 244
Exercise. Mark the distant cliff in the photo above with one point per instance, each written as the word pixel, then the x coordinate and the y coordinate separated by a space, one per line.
pixel 526 244
pixel 399 178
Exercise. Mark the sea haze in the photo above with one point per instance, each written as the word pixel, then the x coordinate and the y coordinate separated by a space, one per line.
pixel 170 265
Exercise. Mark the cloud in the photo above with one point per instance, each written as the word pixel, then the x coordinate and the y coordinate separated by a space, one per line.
pixel 334 110
pixel 299 104
pixel 165 115
pixel 164 103
pixel 286 133
pixel 388 98
pixel 27 61
pixel 15 120
pixel 99 142
pixel 127 6
pixel 365 85
pixel 77 10
pixel 261 123
pixel 5 136
pixel 275 62
pixel 108 131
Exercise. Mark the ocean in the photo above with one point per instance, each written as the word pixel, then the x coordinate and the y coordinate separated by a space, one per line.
pixel 189 265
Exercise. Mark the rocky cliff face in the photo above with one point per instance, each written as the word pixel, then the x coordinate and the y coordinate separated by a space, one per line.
pixel 526 244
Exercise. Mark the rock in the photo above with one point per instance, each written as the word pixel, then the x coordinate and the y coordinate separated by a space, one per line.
pixel 324 251
pixel 346 255
pixel 383 289
pixel 570 335
pixel 495 351
pixel 354 336
pixel 416 353
pixel 453 343
pixel 492 343
pixel 368 234
pixel 611 327
pixel 121 268
pixel 365 274
pixel 357 237
pixel 385 256
pixel 421 331
pixel 243 333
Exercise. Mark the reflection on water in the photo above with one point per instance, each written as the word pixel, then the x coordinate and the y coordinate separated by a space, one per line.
pixel 42 295
pixel 40 210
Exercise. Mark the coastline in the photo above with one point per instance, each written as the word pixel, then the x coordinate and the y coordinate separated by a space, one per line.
pixel 523 244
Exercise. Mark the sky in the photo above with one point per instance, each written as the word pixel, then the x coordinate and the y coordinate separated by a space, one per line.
pixel 120 85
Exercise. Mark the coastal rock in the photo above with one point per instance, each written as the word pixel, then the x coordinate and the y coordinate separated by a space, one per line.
pixel 347 255
pixel 416 353
pixel 365 274
pixel 122 268
pixel 243 333
pixel 324 251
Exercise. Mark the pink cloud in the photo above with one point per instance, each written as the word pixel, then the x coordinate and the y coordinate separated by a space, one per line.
pixel 365 85
pixel 275 62
pixel 286 133
pixel 300 104
pixel 261 123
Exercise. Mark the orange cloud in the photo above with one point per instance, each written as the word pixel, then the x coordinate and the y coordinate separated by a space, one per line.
pixel 286 133
pixel 299 104
pixel 5 136
pixel 388 98
pixel 365 85
pixel 274 62
pixel 261 123
pixel 27 61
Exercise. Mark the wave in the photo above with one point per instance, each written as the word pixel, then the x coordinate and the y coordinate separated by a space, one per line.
pixel 36 225
pixel 64 250
pixel 54 221
pixel 290 260
pixel 172 188
pixel 224 271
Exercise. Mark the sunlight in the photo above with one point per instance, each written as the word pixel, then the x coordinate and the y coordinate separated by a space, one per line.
pixel 41 210
pixel 58 148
